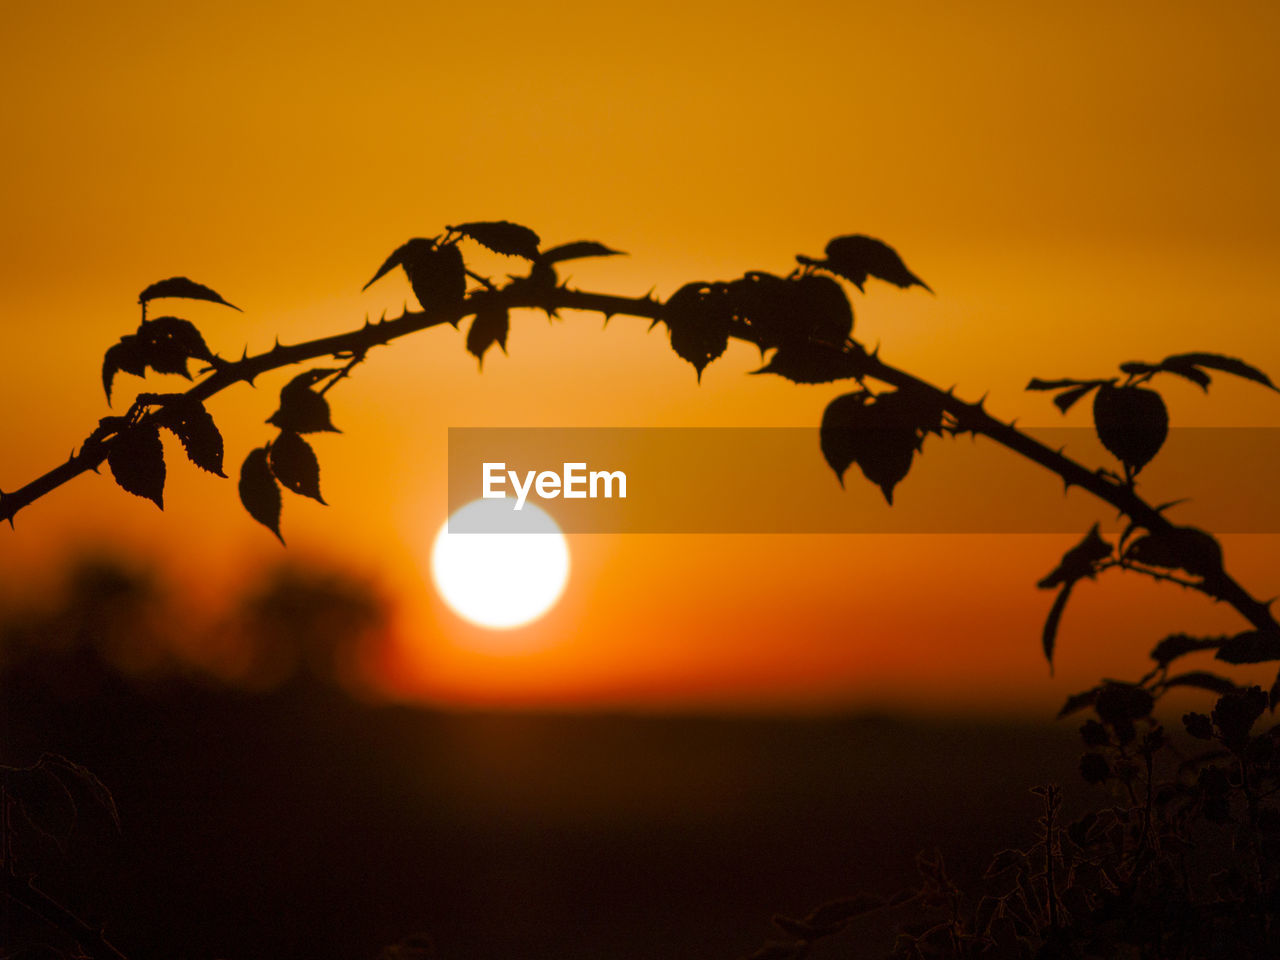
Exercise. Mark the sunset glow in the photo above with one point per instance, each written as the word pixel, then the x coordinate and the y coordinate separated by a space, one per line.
pixel 1080 187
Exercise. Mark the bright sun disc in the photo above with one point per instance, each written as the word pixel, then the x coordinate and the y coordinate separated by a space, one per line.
pixel 500 580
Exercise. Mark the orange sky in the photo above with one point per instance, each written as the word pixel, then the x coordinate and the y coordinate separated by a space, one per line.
pixel 1081 186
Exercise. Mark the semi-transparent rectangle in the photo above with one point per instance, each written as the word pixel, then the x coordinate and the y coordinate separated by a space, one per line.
pixel 775 480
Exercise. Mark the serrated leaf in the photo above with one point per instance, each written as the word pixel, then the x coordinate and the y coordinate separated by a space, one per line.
pixel 259 491
pixel 809 363
pixel 126 355
pixel 1253 646
pixel 191 423
pixel 415 247
pixel 820 309
pixel 295 465
pixel 1216 361
pixel 762 304
pixel 1079 561
pixel 438 278
pixel 182 288
pixel 1068 398
pixel 857 257
pixel 490 326
pixel 698 317
pixel 1179 548
pixel 302 409
pixel 577 250
pixel 173 334
pixel 136 458
pixel 880 434
pixel 1049 635
pixel 1131 422
pixel 1187 371
pixel 502 236
pixel 1180 644
pixel 1202 680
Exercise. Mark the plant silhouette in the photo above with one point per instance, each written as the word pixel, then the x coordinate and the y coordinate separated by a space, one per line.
pixel 803 324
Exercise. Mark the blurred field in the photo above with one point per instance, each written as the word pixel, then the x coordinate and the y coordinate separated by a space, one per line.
pixel 302 824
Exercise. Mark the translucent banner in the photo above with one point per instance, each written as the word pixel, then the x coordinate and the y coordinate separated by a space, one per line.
pixel 775 480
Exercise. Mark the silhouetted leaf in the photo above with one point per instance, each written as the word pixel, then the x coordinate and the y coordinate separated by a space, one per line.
pixel 1179 548
pixel 1132 423
pixel 1217 362
pixel 502 236
pixel 173 335
pixel 439 279
pixel 843 419
pixel 295 465
pixel 1079 561
pixel 761 302
pixel 578 250
pixel 1179 644
pixel 437 274
pixel 302 409
pixel 1201 680
pixel 1186 370
pixel 1253 646
pixel 1049 635
pixel 1118 703
pixel 1068 398
pixel 1038 384
pixel 127 355
pixel 191 423
pixel 809 363
pixel 881 434
pixel 415 247
pixel 136 459
pixel 856 257
pixel 821 309
pixel 698 316
pixel 1078 701
pixel 259 491
pixel 182 288
pixel 163 344
pixel 490 326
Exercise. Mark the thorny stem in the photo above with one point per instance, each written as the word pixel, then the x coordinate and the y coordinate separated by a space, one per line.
pixel 858 364
pixel 92 941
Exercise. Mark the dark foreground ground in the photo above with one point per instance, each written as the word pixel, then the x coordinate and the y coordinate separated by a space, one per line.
pixel 302 825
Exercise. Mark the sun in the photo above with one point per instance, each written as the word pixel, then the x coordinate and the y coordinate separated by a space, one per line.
pixel 500 580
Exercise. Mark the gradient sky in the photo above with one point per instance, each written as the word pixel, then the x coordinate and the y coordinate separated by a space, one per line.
pixel 1081 184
